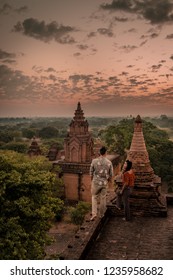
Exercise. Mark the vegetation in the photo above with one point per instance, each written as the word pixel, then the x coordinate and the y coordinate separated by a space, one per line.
pixel 78 213
pixel 48 132
pixel 118 137
pixel 17 146
pixel 27 205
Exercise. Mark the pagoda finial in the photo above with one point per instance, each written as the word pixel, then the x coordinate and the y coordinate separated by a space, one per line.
pixel 138 119
pixel 78 106
pixel 79 115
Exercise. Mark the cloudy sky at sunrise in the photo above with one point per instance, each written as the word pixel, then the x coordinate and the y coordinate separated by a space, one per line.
pixel 115 57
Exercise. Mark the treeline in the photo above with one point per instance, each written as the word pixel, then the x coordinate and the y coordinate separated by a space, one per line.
pixel 16 135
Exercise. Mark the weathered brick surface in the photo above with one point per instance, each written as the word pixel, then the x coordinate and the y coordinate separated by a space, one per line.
pixel 84 238
pixel 145 238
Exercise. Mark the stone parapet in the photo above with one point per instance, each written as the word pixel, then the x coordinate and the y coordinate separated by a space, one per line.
pixel 85 237
pixel 75 168
pixel 83 240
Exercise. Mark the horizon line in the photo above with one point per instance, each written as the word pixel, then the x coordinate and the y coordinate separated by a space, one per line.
pixel 86 116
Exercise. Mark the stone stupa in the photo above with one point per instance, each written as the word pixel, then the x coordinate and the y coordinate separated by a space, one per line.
pixel 147 198
pixel 34 149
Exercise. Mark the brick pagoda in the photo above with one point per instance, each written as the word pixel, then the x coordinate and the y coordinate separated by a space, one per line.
pixel 146 198
pixel 53 152
pixel 34 149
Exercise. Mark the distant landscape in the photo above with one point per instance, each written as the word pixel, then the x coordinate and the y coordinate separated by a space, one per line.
pixel 116 133
pixel 31 126
pixel 16 134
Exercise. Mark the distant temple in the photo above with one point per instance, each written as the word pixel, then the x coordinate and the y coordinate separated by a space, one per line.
pixel 53 152
pixel 79 150
pixel 146 198
pixel 34 149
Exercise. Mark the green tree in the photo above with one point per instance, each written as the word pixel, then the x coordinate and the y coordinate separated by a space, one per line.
pixel 28 133
pixel 6 136
pixel 78 213
pixel 19 147
pixel 27 205
pixel 118 137
pixel 48 132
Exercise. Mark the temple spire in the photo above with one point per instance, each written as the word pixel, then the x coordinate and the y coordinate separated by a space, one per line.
pixel 138 142
pixel 78 106
pixel 78 125
pixel 78 143
pixel 146 197
pixel 139 156
pixel 79 115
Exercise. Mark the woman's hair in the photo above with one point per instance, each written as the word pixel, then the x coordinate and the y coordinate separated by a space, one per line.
pixel 129 165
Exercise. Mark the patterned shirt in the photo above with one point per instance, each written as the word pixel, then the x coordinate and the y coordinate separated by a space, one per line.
pixel 101 170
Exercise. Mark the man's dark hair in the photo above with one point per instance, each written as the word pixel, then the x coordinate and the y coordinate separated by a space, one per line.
pixel 103 150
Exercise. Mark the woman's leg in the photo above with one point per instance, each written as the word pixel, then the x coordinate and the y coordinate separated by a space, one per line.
pixel 126 196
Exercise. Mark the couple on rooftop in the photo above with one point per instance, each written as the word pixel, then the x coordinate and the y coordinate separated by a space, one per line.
pixel 101 172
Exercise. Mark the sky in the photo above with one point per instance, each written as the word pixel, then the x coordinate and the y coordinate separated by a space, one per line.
pixel 115 57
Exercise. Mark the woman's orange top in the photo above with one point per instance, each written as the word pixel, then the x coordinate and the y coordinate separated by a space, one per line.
pixel 129 179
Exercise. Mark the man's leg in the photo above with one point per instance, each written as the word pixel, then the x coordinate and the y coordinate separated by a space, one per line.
pixel 94 200
pixel 102 202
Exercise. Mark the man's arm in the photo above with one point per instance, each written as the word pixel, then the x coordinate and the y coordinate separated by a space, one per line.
pixel 92 170
pixel 111 171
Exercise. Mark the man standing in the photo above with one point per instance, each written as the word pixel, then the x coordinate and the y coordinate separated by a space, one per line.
pixel 101 172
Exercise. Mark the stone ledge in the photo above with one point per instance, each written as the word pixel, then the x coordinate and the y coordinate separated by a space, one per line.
pixel 84 238
pixel 87 234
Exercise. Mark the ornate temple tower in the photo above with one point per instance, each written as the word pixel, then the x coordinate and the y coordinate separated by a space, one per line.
pixel 78 144
pixel 78 147
pixel 146 198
